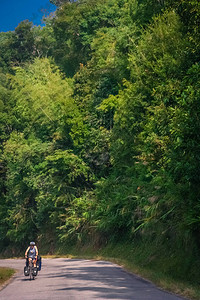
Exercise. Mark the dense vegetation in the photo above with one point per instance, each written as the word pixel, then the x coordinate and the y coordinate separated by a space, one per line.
pixel 99 127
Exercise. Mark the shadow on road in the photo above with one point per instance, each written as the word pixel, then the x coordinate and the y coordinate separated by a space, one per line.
pixel 106 281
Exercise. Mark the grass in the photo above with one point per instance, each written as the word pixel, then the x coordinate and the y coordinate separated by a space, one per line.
pixel 5 274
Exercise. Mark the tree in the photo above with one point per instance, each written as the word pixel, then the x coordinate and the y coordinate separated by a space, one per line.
pixel 189 12
pixel 21 156
pixel 44 41
pixel 6 51
pixel 44 105
pixel 75 26
pixel 23 43
pixel 58 2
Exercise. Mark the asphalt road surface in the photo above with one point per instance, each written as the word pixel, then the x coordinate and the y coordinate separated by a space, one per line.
pixel 79 279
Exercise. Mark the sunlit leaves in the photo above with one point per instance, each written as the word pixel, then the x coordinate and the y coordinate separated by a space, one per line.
pixel 44 104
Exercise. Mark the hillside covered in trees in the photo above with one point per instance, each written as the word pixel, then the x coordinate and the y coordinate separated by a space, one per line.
pixel 99 128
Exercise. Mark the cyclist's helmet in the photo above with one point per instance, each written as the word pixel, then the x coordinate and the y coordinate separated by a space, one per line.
pixel 32 243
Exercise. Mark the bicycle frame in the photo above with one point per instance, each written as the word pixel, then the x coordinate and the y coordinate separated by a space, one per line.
pixel 31 268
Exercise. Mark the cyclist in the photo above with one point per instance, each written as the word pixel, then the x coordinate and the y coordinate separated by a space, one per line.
pixel 32 253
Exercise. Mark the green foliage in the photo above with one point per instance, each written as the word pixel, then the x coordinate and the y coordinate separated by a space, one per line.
pixel 5 106
pixel 151 131
pixel 41 183
pixel 60 179
pixel 5 51
pixel 115 149
pixel 25 43
pixel 22 43
pixel 44 41
pixel 160 54
pixel 44 105
pixel 189 11
pixel 41 177
pixel 75 27
pixel 58 2
pixel 115 211
pixel 147 9
pixel 20 156
pixel 78 218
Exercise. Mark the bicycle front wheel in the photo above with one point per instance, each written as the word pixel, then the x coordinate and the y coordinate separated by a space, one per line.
pixel 31 271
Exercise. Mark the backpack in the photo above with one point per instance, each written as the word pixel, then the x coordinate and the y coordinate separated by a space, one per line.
pixel 39 263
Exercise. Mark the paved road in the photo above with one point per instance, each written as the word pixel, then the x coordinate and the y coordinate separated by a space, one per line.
pixel 78 279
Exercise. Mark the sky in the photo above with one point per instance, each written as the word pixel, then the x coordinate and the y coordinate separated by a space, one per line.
pixel 12 12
